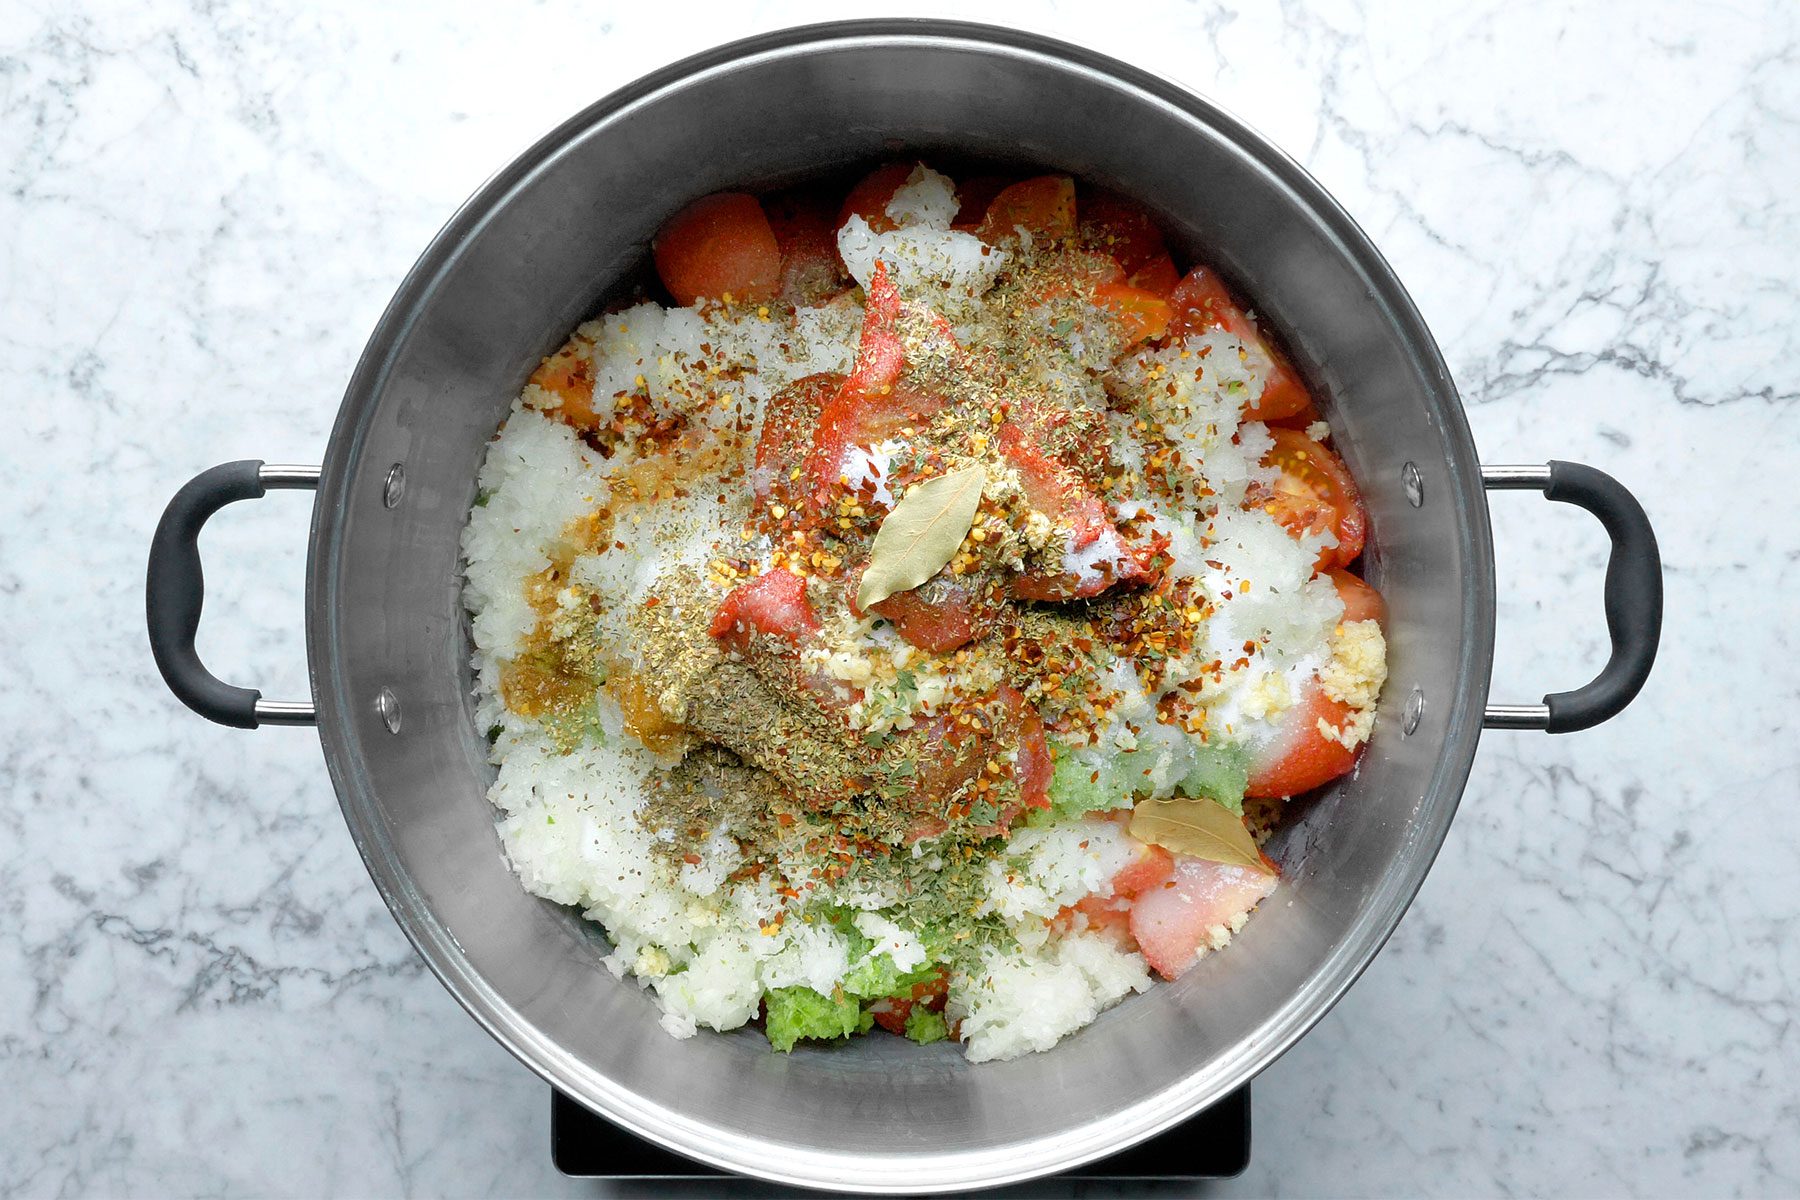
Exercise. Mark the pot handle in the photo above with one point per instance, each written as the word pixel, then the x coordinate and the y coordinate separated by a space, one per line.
pixel 175 587
pixel 1633 597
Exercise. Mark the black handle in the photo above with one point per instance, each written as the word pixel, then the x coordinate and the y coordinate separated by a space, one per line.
pixel 1633 593
pixel 175 588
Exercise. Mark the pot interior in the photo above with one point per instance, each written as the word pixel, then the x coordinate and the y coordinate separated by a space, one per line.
pixel 538 250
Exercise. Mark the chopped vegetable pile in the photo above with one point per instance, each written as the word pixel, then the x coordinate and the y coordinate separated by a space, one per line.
pixel 967 586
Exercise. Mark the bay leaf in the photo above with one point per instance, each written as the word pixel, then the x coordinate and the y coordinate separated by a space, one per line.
pixel 1199 828
pixel 921 534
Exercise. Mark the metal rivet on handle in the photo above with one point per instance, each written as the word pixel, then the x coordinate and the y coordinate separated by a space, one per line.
pixel 1413 482
pixel 395 487
pixel 388 705
pixel 1413 712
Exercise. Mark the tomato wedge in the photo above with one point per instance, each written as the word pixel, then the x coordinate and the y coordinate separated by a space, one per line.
pixel 1043 207
pixel 1097 556
pixel 1300 758
pixel 801 222
pixel 973 195
pixel 774 603
pixel 1142 315
pixel 717 248
pixel 1202 302
pixel 1053 488
pixel 1158 276
pixel 1361 602
pixel 1122 228
pixel 1172 923
pixel 789 420
pixel 1032 764
pixel 871 403
pixel 869 198
pixel 1314 493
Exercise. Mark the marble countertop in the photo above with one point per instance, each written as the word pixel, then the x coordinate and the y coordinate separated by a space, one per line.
pixel 205 209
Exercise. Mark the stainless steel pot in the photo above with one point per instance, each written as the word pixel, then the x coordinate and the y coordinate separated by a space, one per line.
pixel 532 253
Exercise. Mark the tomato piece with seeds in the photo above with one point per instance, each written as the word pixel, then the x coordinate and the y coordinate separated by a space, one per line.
pixel 1313 493
pixel 1201 302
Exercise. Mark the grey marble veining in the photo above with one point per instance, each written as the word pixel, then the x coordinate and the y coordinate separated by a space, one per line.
pixel 205 209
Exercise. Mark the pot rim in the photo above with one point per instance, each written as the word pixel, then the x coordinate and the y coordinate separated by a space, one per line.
pixel 338 712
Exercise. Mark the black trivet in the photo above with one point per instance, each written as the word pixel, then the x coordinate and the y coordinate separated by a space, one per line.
pixel 1213 1144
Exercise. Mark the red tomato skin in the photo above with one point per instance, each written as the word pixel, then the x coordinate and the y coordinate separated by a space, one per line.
pixel 801 222
pixel 1043 206
pixel 717 246
pixel 1158 277
pixel 1032 765
pixel 1310 469
pixel 973 195
pixel 1053 489
pixel 1120 227
pixel 938 615
pixel 872 403
pixel 869 198
pixel 789 422
pixel 845 420
pixel 1201 302
pixel 939 627
pixel 773 604
pixel 1361 602
pixel 1303 759
pixel 892 1015
pixel 1352 531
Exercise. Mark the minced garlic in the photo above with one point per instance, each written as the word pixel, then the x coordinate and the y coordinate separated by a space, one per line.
pixel 1353 677
pixel 1358 665
pixel 1267 697
pixel 653 962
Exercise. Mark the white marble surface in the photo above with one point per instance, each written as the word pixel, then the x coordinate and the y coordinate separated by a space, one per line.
pixel 205 208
